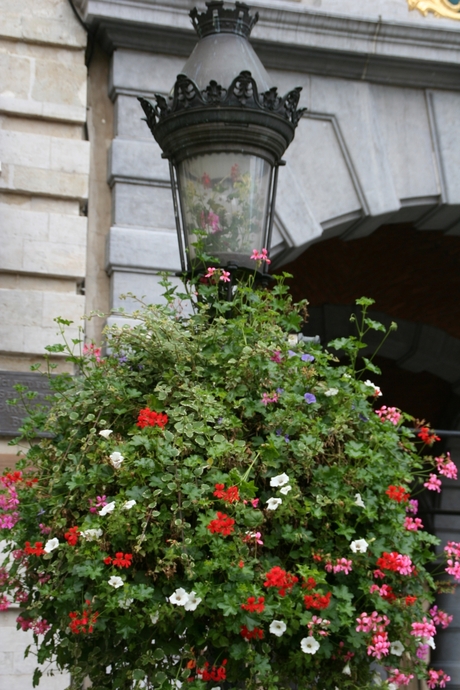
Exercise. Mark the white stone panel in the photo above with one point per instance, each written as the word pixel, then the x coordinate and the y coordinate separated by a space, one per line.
pixel 317 161
pixel 139 249
pixel 128 119
pixel 143 205
pixel 136 72
pixel 404 124
pixel 145 286
pixel 47 243
pixel 43 21
pixel 40 151
pixel 15 671
pixel 27 319
pixel 137 160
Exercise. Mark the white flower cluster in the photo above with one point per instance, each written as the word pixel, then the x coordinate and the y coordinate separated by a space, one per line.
pixel 376 390
pixel 281 482
pixel 182 598
pixel 359 546
pixel 116 459
pixel 91 534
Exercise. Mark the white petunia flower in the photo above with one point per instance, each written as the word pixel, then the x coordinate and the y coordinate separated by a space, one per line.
pixel 115 581
pixel 359 501
pixel 116 459
pixel 127 505
pixel 105 433
pixel 50 545
pixel 377 679
pixel 109 508
pixel 125 603
pixel 377 392
pixel 396 648
pixel 91 534
pixel 430 641
pixel 179 597
pixel 309 645
pixel 286 489
pixel 273 503
pixel 393 686
pixel 154 617
pixel 347 670
pixel 277 628
pixel 192 602
pixel 331 391
pixel 279 480
pixel 359 546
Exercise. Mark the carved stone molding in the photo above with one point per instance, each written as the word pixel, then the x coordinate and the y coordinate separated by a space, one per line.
pixel 440 8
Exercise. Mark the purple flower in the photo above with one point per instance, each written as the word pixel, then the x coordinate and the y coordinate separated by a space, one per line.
pixel 310 398
pixel 286 438
pixel 280 391
pixel 307 358
pixel 122 359
pixel 363 418
pixel 291 353
pixel 278 432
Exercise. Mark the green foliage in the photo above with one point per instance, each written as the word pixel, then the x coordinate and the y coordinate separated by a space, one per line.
pixel 213 374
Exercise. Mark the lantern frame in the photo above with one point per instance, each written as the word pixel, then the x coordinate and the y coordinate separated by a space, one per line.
pixel 192 123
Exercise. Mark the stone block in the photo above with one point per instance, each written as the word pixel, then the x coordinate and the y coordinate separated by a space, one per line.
pixel 47 182
pixel 40 151
pixel 139 160
pixel 44 21
pixel 128 119
pixel 143 205
pixel 15 75
pixel 318 163
pixel 137 249
pixel 403 120
pixel 27 319
pixel 50 111
pixel 145 286
pixel 135 72
pixel 48 243
pixel 55 82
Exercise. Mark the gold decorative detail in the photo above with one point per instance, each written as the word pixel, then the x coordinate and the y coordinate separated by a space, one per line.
pixel 440 8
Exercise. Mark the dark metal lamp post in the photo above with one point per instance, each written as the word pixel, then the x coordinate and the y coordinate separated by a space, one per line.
pixel 224 130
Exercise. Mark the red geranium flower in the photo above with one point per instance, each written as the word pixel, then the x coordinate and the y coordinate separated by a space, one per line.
pixel 230 495
pixel 223 524
pixel 427 436
pixel 254 606
pixel 317 600
pixel 256 633
pixel 148 417
pixel 277 577
pixel 397 493
pixel 72 536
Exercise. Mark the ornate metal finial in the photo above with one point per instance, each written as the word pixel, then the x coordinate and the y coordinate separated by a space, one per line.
pixel 218 20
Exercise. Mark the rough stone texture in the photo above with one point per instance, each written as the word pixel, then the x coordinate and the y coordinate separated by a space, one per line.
pixel 15 671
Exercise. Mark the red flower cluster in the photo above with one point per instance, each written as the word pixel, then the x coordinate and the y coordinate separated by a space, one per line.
pixel 15 477
pixel 230 495
pixel 254 606
pixel 309 584
pixel 396 562
pixel 36 550
pixel 120 560
pixel 84 623
pixel 223 524
pixel 72 536
pixel 216 672
pixel 148 417
pixel 317 600
pixel 277 577
pixel 397 493
pixel 410 600
pixel 427 435
pixel 257 633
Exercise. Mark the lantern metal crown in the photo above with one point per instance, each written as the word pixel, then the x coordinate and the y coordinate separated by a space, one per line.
pixel 225 142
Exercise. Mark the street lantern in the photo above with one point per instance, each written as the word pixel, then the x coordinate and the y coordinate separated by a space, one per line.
pixel 224 130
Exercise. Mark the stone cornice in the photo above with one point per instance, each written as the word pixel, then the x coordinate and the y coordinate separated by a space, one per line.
pixel 294 37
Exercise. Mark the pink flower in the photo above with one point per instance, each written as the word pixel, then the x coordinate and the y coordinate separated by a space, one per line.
pixel 380 645
pixel 422 652
pixel 413 525
pixel 372 623
pixel 100 503
pixel 342 565
pixel 389 414
pixel 446 467
pixel 255 502
pixel 92 351
pixel 440 617
pixel 412 507
pixel 266 398
pixel 453 568
pixel 453 549
pixel 436 678
pixel 260 256
pixel 210 273
pixel 4 603
pixel 253 535
pixel 423 629
pixel 276 356
pixel 399 678
pixel 433 484
pixel 225 277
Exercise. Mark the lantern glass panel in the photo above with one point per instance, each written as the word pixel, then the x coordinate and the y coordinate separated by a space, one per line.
pixel 225 201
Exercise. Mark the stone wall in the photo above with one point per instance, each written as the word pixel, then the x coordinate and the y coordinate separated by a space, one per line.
pixel 44 155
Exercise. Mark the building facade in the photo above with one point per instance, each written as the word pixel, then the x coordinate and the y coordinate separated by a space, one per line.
pixel 368 202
